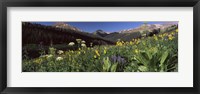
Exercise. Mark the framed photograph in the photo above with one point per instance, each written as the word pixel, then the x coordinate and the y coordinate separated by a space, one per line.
pixel 74 46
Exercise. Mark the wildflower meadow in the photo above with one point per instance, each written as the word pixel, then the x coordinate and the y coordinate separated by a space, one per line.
pixel 157 53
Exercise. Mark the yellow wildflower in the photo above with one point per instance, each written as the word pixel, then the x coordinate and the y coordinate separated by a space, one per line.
pixel 176 30
pixel 160 35
pixel 138 41
pixel 155 37
pixel 164 34
pixel 119 43
pixel 170 37
pixel 135 40
pixel 95 56
pixel 97 53
pixel 104 51
pixel 131 43
pixel 38 61
pixel 136 51
pixel 127 43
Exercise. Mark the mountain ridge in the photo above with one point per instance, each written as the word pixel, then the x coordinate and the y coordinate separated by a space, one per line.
pixel 149 27
pixel 65 26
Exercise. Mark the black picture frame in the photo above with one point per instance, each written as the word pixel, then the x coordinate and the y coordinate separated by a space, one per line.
pixel 101 3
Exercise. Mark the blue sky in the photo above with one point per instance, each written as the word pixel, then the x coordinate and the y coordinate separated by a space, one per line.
pixel 105 26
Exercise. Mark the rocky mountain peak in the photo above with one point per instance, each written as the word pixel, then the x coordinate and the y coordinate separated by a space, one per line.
pixel 65 26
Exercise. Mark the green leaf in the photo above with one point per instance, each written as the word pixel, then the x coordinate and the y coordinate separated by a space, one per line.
pixel 145 55
pixel 106 65
pixel 143 68
pixel 114 67
pixel 164 57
